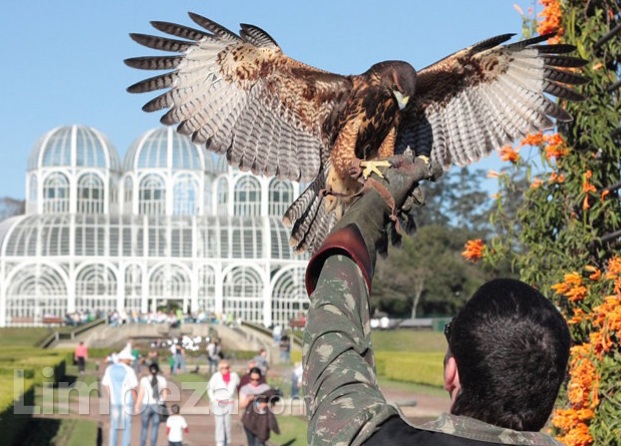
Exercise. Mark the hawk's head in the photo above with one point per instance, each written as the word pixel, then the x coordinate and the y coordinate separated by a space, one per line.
pixel 398 77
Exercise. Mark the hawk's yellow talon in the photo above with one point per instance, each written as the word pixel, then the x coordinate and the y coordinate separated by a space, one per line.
pixel 373 167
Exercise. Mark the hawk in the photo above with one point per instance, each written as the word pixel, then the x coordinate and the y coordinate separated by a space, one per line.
pixel 240 95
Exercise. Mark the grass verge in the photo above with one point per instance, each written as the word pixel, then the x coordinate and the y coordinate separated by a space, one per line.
pixel 293 432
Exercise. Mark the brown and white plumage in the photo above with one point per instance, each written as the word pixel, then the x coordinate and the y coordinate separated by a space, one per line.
pixel 485 96
pixel 240 95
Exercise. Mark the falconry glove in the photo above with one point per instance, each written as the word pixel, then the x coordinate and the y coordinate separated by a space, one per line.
pixel 365 227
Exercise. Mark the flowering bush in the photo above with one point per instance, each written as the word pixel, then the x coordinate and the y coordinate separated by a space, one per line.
pixel 563 237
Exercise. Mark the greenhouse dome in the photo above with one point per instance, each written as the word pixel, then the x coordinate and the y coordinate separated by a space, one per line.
pixel 163 148
pixel 72 169
pixel 74 146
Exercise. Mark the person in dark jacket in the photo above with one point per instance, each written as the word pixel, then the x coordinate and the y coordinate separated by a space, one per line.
pixel 259 420
pixel 507 353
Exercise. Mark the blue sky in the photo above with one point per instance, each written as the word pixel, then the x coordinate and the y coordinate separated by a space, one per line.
pixel 63 60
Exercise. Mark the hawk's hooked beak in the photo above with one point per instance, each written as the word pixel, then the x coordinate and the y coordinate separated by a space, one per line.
pixel 402 100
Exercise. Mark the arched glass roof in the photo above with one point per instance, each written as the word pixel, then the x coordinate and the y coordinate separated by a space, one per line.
pixel 165 148
pixel 109 236
pixel 74 146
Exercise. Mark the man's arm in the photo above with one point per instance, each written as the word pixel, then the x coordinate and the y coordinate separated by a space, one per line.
pixel 344 404
pixel 139 398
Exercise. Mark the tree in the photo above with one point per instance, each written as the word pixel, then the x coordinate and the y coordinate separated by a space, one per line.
pixel 564 235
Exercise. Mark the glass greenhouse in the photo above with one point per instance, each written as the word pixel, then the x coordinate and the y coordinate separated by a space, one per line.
pixel 172 222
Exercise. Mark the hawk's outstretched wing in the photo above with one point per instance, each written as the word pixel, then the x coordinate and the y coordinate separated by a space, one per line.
pixel 486 96
pixel 240 95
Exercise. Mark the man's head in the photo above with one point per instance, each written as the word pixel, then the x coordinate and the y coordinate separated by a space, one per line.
pixel 508 353
pixel 126 357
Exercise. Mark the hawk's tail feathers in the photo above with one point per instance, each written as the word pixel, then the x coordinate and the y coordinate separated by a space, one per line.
pixel 308 217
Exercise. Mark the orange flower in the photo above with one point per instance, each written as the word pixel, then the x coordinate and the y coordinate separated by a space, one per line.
pixel 474 250
pixel 572 287
pixel 532 139
pixel 555 146
pixel 578 317
pixel 604 194
pixel 601 343
pixel 508 153
pixel 568 418
pixel 596 273
pixel 583 386
pixel 585 203
pixel 556 178
pixel 614 267
pixel 536 183
pixel 587 188
pixel 578 435
pixel 577 293
pixel 607 316
pixel 550 19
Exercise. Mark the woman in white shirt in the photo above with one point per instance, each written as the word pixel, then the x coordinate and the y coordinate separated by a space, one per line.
pixel 222 392
pixel 152 393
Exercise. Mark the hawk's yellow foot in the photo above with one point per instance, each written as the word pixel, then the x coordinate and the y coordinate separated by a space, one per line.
pixel 370 167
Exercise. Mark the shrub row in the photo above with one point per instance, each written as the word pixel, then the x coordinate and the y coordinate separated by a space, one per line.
pixel 12 424
pixel 21 370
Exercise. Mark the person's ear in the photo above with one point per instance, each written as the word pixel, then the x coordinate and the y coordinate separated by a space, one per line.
pixel 452 383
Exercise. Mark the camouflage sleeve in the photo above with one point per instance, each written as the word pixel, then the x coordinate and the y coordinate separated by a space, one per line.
pixel 344 404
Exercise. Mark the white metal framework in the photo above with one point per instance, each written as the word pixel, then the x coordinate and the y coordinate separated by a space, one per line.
pixel 172 222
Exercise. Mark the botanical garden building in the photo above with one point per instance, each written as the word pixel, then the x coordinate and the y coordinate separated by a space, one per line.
pixel 172 222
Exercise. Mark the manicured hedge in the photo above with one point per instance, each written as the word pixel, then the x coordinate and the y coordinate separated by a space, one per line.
pixel 12 424
pixel 33 361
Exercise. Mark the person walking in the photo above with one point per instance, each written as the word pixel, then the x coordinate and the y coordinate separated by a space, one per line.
pixel 285 349
pixel 296 379
pixel 120 382
pixel 222 392
pixel 259 420
pixel 152 393
pixel 255 419
pixel 175 427
pixel 261 361
pixel 212 356
pixel 80 356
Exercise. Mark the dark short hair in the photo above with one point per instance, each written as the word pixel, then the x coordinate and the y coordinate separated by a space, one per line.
pixel 174 409
pixel 255 370
pixel 511 346
pixel 154 368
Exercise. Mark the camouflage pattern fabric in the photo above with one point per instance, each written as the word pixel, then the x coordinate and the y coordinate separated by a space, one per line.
pixel 467 427
pixel 344 404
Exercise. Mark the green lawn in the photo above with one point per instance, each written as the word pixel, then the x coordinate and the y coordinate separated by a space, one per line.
pixel 292 431
pixel 408 341
pixel 412 387
pixel 22 336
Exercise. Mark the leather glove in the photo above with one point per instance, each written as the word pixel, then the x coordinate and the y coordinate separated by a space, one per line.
pixel 363 230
